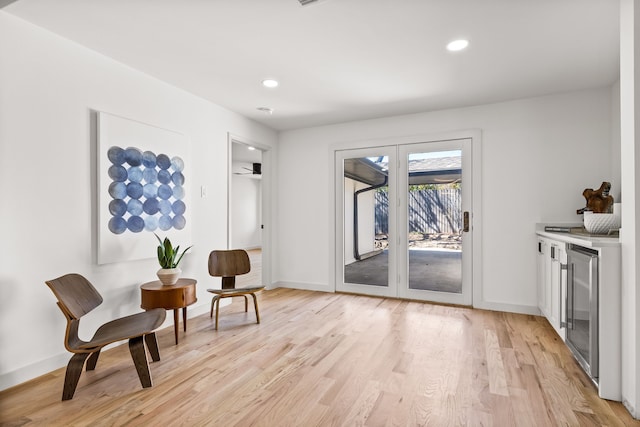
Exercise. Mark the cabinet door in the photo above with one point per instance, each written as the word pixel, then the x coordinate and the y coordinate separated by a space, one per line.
pixel 557 285
pixel 541 276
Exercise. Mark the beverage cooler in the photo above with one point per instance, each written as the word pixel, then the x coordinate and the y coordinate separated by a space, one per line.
pixel 581 318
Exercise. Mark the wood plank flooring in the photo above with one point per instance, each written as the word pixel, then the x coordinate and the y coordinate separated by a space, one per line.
pixel 321 359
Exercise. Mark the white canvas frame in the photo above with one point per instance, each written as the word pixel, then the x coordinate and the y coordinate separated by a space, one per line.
pixel 115 245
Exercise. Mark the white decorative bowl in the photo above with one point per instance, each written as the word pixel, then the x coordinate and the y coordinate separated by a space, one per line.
pixel 601 223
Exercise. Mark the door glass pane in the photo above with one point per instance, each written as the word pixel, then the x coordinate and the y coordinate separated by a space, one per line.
pixel 366 224
pixel 435 221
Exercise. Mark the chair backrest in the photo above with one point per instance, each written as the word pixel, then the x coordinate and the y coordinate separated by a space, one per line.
pixel 228 264
pixel 76 296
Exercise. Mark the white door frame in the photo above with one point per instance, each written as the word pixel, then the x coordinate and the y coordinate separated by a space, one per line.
pixel 476 209
pixel 267 183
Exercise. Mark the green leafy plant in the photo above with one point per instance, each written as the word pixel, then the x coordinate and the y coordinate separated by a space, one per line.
pixel 167 254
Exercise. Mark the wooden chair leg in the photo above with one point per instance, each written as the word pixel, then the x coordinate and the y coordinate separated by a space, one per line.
pixel 245 303
pixel 74 369
pixel 152 345
pixel 255 304
pixel 136 347
pixel 217 311
pixel 213 301
pixel 93 360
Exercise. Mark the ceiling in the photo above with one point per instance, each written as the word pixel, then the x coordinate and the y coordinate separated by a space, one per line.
pixel 345 60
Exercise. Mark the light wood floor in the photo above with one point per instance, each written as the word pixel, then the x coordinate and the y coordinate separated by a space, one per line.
pixel 320 359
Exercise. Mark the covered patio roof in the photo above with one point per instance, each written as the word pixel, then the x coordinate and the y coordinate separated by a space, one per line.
pixel 435 170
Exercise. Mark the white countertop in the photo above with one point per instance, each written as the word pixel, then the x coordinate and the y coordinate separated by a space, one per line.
pixel 590 241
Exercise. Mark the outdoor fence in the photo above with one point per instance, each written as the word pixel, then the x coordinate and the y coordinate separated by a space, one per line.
pixel 430 211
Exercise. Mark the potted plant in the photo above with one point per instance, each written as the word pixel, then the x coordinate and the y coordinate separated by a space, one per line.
pixel 169 273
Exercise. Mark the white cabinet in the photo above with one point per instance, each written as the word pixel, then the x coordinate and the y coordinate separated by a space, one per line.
pixel 552 297
pixel 552 281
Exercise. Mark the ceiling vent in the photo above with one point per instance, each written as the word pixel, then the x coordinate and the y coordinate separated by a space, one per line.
pixel 303 2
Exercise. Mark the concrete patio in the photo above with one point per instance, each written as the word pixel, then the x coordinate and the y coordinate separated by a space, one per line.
pixel 429 269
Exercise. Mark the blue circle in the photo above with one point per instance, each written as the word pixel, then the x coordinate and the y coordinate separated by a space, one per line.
pixel 134 207
pixel 178 207
pixel 163 161
pixel 135 224
pixel 133 156
pixel 151 206
pixel 164 192
pixel 179 222
pixel 149 159
pixel 149 191
pixel 178 192
pixel 150 175
pixel 115 155
pixel 117 173
pixel 134 190
pixel 164 222
pixel 177 178
pixel 118 190
pixel 135 174
pixel 150 223
pixel 177 164
pixel 164 177
pixel 117 207
pixel 165 207
pixel 117 225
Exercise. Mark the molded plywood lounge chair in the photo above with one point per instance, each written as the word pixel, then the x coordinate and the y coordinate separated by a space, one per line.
pixel 77 297
pixel 228 264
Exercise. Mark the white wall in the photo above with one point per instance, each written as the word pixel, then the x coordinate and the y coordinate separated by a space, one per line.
pixel 349 190
pixel 366 220
pixel 538 155
pixel 246 208
pixel 630 165
pixel 616 158
pixel 48 86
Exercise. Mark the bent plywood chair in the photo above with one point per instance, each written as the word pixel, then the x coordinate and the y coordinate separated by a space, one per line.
pixel 228 264
pixel 77 297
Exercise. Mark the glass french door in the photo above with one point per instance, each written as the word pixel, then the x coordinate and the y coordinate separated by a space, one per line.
pixel 365 261
pixel 403 221
pixel 435 226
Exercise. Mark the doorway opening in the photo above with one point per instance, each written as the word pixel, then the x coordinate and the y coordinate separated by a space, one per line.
pixel 247 200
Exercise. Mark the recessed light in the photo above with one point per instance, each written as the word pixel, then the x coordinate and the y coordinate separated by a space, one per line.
pixel 265 110
pixel 270 83
pixel 250 148
pixel 457 45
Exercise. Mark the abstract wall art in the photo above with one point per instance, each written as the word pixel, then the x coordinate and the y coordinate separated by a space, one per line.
pixel 143 178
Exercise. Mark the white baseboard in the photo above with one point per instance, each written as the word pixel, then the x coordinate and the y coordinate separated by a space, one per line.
pixel 34 370
pixel 630 408
pixel 321 287
pixel 484 305
pixel 509 308
pixel 46 366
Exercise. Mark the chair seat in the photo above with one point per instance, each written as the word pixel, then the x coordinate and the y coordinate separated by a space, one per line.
pixel 126 328
pixel 247 290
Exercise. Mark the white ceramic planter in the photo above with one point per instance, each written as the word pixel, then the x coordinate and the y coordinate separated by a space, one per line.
pixel 169 276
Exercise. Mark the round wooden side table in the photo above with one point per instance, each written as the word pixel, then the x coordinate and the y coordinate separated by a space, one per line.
pixel 170 297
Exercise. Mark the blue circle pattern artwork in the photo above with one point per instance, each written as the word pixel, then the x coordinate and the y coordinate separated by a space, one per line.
pixel 147 191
